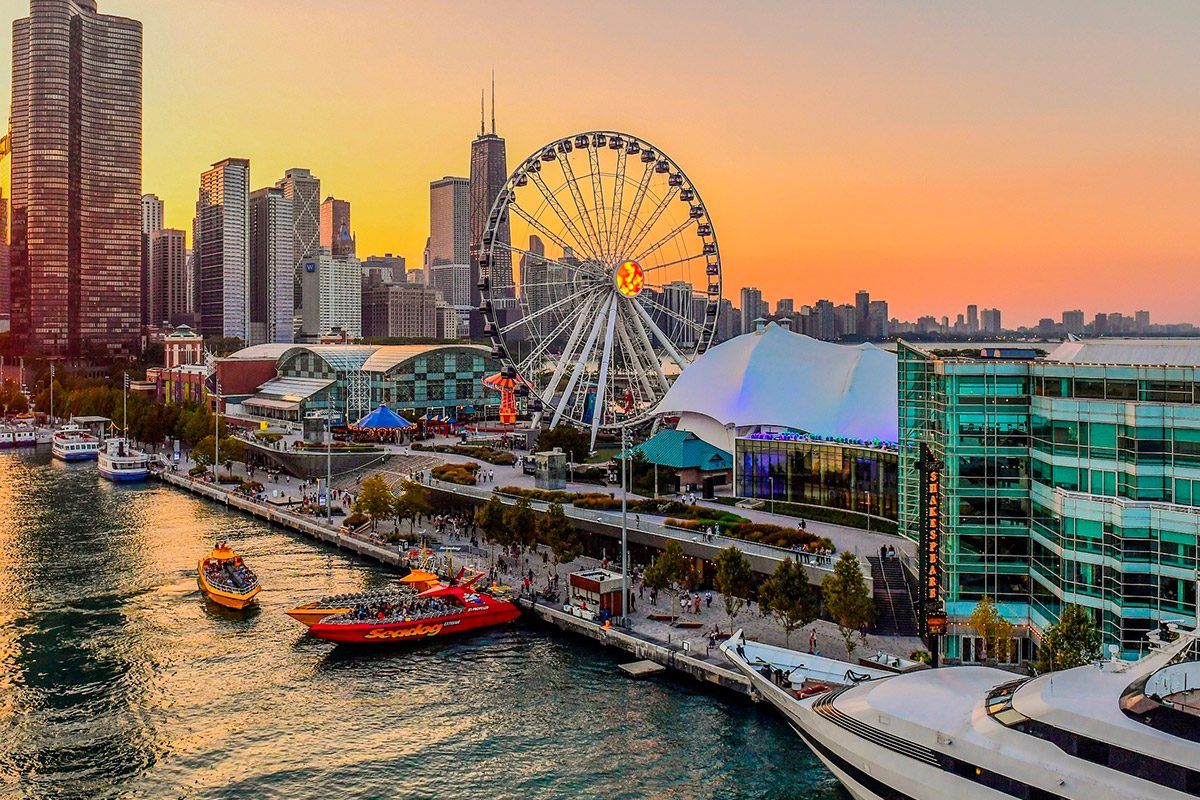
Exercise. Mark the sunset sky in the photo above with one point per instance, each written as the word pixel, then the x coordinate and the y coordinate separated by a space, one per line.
pixel 1034 156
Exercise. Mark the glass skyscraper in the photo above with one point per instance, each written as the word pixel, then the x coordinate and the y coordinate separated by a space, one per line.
pixel 1073 478
pixel 76 181
pixel 489 172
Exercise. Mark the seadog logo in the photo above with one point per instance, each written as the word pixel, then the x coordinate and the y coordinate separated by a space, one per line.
pixel 407 633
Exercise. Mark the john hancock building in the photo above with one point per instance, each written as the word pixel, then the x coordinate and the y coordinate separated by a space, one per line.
pixel 76 180
pixel 1072 477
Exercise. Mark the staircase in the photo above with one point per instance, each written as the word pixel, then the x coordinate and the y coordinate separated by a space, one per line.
pixel 894 615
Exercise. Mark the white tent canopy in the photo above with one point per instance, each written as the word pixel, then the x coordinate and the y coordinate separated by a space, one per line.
pixel 773 377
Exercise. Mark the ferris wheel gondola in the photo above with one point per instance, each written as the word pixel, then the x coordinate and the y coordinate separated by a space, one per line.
pixel 606 261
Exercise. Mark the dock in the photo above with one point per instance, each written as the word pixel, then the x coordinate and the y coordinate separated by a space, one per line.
pixel 642 669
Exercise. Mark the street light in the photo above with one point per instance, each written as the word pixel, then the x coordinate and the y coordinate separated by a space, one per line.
pixel 771 492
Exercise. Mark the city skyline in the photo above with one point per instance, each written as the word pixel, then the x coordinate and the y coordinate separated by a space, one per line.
pixel 917 183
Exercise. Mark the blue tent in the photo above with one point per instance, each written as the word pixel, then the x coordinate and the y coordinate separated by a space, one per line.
pixel 383 418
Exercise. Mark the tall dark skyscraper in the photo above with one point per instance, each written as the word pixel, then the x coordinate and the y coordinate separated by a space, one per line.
pixel 489 171
pixel 76 181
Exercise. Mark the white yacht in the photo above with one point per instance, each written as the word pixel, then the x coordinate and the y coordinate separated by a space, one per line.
pixel 6 437
pixel 1112 730
pixel 118 461
pixel 73 442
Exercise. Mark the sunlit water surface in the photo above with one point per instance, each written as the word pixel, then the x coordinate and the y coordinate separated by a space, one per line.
pixel 117 679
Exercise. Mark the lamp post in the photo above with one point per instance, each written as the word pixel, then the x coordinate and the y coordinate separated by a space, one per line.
pixel 771 492
pixel 217 433
pixel 328 468
pixel 624 529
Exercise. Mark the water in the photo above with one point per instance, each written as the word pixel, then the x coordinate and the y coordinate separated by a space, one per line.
pixel 118 680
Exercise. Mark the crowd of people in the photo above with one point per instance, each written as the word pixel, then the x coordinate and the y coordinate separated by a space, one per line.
pixel 397 609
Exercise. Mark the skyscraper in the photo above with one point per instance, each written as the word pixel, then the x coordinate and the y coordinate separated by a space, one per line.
pixel 221 240
pixel 753 307
pixel 152 220
pixel 152 214
pixel 76 180
pixel 303 189
pixel 489 171
pixel 972 319
pixel 4 300
pixel 450 221
pixel 991 320
pixel 332 296
pixel 862 308
pixel 168 287
pixel 335 227
pixel 271 267
pixel 677 298
pixel 1073 321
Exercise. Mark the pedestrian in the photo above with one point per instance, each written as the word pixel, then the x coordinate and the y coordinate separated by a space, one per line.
pixel 812 640
pixel 708 599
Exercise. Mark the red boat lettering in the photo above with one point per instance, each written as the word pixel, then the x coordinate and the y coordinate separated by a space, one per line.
pixel 406 633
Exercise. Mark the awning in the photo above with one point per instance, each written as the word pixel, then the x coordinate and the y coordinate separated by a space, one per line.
pixel 277 405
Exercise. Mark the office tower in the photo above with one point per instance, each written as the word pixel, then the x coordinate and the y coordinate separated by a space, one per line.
pixel 332 295
pixel 862 306
pixel 972 319
pixel 399 310
pixel 335 227
pixel 877 319
pixel 221 241
pixel 677 302
pixel 785 307
pixel 453 282
pixel 4 303
pixel 168 270
pixel 990 321
pixel 303 189
pixel 753 307
pixel 449 323
pixel 272 267
pixel 386 268
pixel 76 181
pixel 1073 321
pixel 1141 321
pixel 449 221
pixel 489 171
pixel 152 214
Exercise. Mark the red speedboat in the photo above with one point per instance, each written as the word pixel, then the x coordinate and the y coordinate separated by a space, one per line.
pixel 440 611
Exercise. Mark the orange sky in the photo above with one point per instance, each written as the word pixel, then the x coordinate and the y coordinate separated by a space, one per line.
pixel 998 153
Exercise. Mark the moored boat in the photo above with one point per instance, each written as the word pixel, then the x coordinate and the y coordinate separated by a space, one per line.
pixel 119 461
pixel 441 611
pixel 73 442
pixel 24 436
pixel 6 438
pixel 414 582
pixel 226 579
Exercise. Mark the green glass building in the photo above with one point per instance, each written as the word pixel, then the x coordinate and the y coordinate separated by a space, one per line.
pixel 1068 478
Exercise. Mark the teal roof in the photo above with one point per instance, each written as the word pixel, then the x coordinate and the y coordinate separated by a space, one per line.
pixel 683 450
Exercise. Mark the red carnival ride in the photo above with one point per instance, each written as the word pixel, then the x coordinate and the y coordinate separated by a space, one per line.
pixel 437 612
pixel 508 387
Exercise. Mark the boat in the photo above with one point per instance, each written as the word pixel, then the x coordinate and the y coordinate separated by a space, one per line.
pixel 1110 730
pixel 73 442
pixel 119 461
pixel 225 579
pixel 6 438
pixel 436 612
pixel 24 436
pixel 414 582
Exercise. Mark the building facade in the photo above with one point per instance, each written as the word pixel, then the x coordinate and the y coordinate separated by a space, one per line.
pixel 332 296
pixel 489 172
pixel 271 266
pixel 303 189
pixel 1073 479
pixel 4 264
pixel 399 310
pixel 168 290
pixel 76 161
pixel 221 241
pixel 335 227
pixel 386 268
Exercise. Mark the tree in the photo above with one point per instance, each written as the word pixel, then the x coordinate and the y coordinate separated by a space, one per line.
pixel 568 438
pixel 789 597
pixel 203 453
pixel 522 522
pixel 375 500
pixel 411 503
pixel 555 531
pixel 1071 642
pixel 994 629
pixel 733 580
pixel 491 519
pixel 669 568
pixel 847 598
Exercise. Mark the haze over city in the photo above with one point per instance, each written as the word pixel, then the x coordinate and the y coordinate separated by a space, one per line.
pixel 1032 159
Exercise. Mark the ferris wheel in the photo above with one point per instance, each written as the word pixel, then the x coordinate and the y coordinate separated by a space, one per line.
pixel 600 278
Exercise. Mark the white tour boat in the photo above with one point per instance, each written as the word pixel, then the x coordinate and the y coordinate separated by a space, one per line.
pixel 1112 730
pixel 118 461
pixel 6 437
pixel 24 436
pixel 73 442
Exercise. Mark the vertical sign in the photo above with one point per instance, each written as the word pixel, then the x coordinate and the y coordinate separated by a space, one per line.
pixel 932 615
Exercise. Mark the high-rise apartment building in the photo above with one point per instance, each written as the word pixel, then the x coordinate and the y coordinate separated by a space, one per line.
pixel 542 284
pixel 449 221
pixel 1072 321
pixel 453 282
pixel 303 189
pixel 823 321
pixel 1141 322
pixel 76 181
pixel 877 319
pixel 489 172
pixel 332 296
pixel 990 321
pixel 972 319
pixel 221 241
pixel 335 227
pixel 271 267
pixel 152 220
pixel 168 289
pixel 399 310
pixel 785 307
pixel 862 308
pixel 677 300
pixel 152 213
pixel 753 307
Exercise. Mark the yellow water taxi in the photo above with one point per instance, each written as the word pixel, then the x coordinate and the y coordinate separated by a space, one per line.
pixel 225 579
pixel 417 581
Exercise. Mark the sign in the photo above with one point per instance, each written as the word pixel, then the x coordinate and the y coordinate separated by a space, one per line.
pixel 423 629
pixel 932 615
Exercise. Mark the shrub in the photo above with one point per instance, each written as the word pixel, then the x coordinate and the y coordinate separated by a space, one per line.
pixel 760 532
pixel 355 520
pixel 199 469
pixel 462 474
